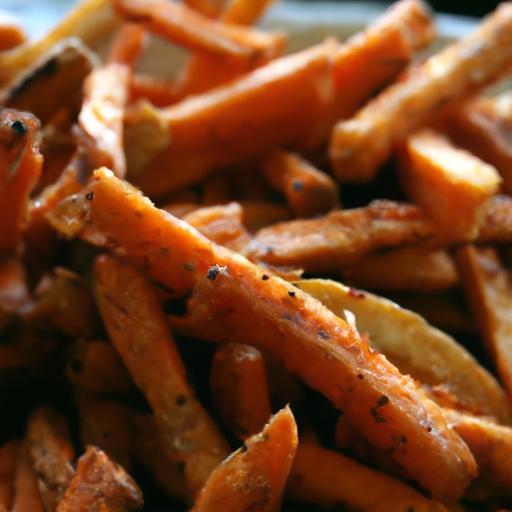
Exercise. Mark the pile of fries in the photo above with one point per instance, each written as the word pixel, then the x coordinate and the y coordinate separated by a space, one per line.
pixel 182 259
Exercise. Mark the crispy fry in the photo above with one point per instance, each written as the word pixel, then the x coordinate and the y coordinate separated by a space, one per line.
pixel 227 305
pixel 360 145
pixel 158 91
pixel 52 454
pixel 451 185
pixel 254 477
pixel 238 381
pixel 489 294
pixel 341 237
pixel 8 452
pixel 408 268
pixel 127 47
pixel 11 33
pixel 308 190
pixel 27 497
pixel 329 478
pixel 139 331
pixel 20 164
pixel 100 484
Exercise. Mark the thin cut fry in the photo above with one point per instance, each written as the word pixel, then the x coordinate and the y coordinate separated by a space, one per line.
pixel 329 478
pixel 11 33
pixel 360 145
pixel 238 382
pixel 451 185
pixel 489 294
pixel 308 190
pixel 100 484
pixel 325 351
pixel 8 452
pixel 27 497
pixel 127 47
pixel 254 477
pixel 140 333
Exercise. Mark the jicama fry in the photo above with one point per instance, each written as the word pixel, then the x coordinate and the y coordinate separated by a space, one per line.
pixel 308 190
pixel 8 452
pixel 52 454
pixel 360 145
pixel 427 354
pixel 26 491
pixel 228 305
pixel 100 484
pixel 128 45
pixel 341 237
pixel 139 331
pixel 158 91
pixel 329 478
pixel 238 382
pixel 20 164
pixel 451 185
pixel 408 268
pixel 488 292
pixel 254 477
pixel 11 33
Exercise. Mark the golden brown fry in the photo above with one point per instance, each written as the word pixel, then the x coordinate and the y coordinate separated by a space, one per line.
pixel 308 190
pixel 360 145
pixel 328 478
pixel 100 484
pixel 11 33
pixel 26 490
pixel 238 382
pixel 127 47
pixel 254 477
pixel 8 453
pixel 451 185
pixel 20 167
pixel 227 305
pixel 489 294
pixel 341 237
pixel 140 333
pixel 52 454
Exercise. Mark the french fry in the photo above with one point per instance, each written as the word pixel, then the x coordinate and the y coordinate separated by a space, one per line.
pixel 228 305
pixel 127 47
pixel 52 454
pixel 407 268
pixel 451 185
pixel 100 484
pixel 308 190
pixel 489 295
pixel 340 237
pixel 427 354
pixel 133 318
pixel 259 213
pixel 254 476
pixel 21 162
pixel 496 225
pixel 8 452
pixel 329 478
pixel 360 145
pixel 11 33
pixel 210 8
pixel 244 12
pixel 238 382
pixel 26 489
pixel 158 91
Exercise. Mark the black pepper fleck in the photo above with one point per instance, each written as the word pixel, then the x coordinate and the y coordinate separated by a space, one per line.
pixel 292 294
pixel 357 294
pixel 181 400
pixel 402 440
pixel 265 277
pixel 429 429
pixel 360 376
pixel 381 402
pixel 189 267
pixel 213 272
pixel 322 334
pixel 89 196
pixel 297 185
pixel 19 127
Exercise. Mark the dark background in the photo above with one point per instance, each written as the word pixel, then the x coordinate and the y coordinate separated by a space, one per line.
pixel 469 8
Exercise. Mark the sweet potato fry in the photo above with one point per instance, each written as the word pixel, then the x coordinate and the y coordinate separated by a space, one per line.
pixel 451 185
pixel 408 268
pixel 11 33
pixel 238 381
pixel 52 454
pixel 427 354
pixel 254 477
pixel 488 292
pixel 308 190
pixel 158 91
pixel 259 214
pixel 329 478
pixel 340 237
pixel 20 164
pixel 496 225
pixel 228 305
pixel 244 12
pixel 8 452
pixel 139 331
pixel 100 484
pixel 27 497
pixel 360 145
pixel 127 47
pixel 210 8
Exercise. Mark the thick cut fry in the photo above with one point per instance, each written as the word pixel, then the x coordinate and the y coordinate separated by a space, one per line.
pixel 235 301
pixel 427 354
pixel 238 381
pixel 360 145
pixel 8 453
pixel 254 477
pixel 11 33
pixel 127 47
pixel 183 26
pixel 329 478
pixel 100 484
pixel 158 91
pixel 339 238
pixel 52 454
pixel 408 268
pixel 489 294
pixel 20 167
pixel 27 497
pixel 308 190
pixel 139 331
pixel 451 185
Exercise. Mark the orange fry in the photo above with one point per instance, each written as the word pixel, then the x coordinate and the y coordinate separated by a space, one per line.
pixel 27 497
pixel 496 224
pixel 209 8
pixel 158 91
pixel 254 477
pixel 259 213
pixel 128 45
pixel 14 291
pixel 11 33
pixel 8 452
